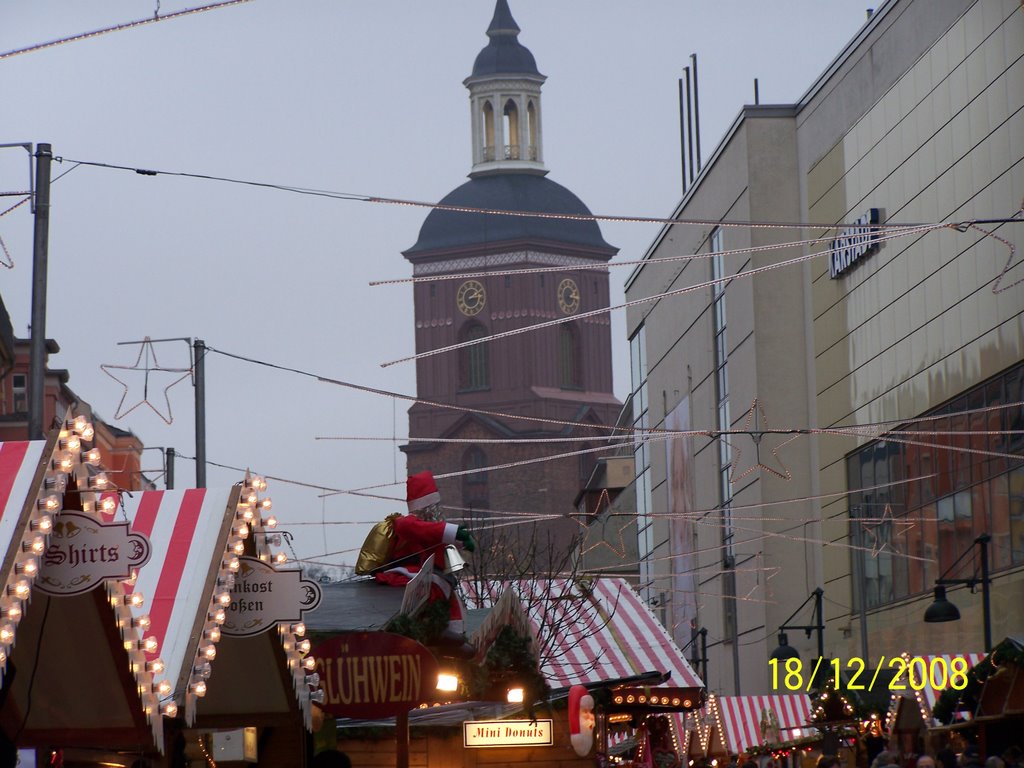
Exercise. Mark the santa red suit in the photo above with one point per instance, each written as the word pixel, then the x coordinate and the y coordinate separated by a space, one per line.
pixel 416 539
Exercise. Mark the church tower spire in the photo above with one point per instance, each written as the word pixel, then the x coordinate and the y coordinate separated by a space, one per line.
pixel 504 96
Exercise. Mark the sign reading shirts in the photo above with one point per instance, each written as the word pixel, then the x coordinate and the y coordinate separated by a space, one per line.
pixel 83 552
pixel 855 243
pixel 374 674
pixel 263 597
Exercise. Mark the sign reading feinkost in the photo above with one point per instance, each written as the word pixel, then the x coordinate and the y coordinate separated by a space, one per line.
pixel 374 674
pixel 262 597
pixel 83 552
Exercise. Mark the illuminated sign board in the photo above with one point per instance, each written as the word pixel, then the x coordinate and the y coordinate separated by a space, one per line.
pixel 82 553
pixel 484 734
pixel 855 243
pixel 374 674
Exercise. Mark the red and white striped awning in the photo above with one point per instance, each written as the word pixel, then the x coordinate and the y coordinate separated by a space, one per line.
pixel 596 634
pixel 739 718
pixel 920 673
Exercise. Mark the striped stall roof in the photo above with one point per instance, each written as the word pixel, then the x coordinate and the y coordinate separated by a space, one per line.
pixel 741 718
pixel 188 531
pixel 19 462
pixel 921 670
pixel 588 636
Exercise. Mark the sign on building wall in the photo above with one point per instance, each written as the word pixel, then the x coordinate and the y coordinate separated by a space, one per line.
pixel 263 597
pixel 82 553
pixel 855 243
pixel 483 734
pixel 679 461
pixel 374 674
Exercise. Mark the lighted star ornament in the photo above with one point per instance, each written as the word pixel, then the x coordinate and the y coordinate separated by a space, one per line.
pixel 875 527
pixel 756 417
pixel 147 364
pixel 605 540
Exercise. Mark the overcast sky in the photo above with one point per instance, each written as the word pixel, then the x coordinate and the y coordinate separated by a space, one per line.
pixel 363 97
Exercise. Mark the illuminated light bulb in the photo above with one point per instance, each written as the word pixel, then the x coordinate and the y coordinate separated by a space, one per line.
pixel 266 504
pixel 142 622
pixel 7 633
pixel 43 524
pixel 156 666
pixel 203 669
pixel 238 547
pixel 242 531
pixel 64 461
pixel 49 503
pixel 71 443
pixel 30 567
pixel 135 599
pixel 303 646
pixel 92 457
pixel 224 598
pixel 210 651
pixel 108 504
pixel 258 483
pixel 249 496
pixel 163 688
pixel 21 589
pixel 280 558
pixel 199 688
pixel 299 629
pixel 78 423
pixel 234 564
pixel 14 611
pixel 447 682
pixel 170 709
pixel 213 635
pixel 36 545
pixel 87 432
pixel 99 482
pixel 514 696
pixel 643 700
pixel 248 514
pixel 309 663
pixel 219 615
pixel 288 643
pixel 270 522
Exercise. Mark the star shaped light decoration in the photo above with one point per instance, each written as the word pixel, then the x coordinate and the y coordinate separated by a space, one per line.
pixel 872 530
pixel 605 503
pixel 756 417
pixel 147 363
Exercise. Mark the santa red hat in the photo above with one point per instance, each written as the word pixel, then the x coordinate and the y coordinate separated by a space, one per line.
pixel 421 491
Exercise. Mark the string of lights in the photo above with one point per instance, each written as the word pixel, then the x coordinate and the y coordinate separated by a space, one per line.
pixel 120 27
pixel 648 299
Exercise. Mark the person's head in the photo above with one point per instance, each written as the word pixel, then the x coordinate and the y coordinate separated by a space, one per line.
pixel 970 755
pixel 1012 756
pixel 885 757
pixel 331 758
pixel 827 761
pixel 422 496
pixel 945 758
pixel 995 762
pixel 925 761
pixel 749 764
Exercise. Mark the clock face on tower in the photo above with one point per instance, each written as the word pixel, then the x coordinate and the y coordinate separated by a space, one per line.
pixel 471 297
pixel 568 297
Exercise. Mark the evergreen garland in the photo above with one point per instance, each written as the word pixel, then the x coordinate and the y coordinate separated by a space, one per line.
pixel 951 700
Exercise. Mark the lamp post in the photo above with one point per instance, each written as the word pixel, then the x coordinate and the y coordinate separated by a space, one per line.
pixel 785 650
pixel 942 610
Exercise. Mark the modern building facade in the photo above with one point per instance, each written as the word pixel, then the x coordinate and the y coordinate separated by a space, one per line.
pixel 895 360
pixel 544 384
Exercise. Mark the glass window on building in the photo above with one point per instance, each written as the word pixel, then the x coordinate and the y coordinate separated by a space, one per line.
pixel 642 459
pixel 914 527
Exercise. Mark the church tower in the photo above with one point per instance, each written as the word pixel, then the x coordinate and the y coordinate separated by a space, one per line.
pixel 562 373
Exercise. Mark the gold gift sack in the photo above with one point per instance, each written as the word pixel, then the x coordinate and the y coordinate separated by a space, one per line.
pixel 376 550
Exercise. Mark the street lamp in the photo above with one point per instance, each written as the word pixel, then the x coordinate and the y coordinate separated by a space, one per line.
pixel 943 610
pixel 785 650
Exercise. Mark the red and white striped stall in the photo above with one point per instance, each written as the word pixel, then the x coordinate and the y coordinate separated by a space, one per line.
pixel 735 723
pixel 924 679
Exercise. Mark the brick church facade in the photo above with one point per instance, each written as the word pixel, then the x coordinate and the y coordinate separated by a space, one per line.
pixel 562 373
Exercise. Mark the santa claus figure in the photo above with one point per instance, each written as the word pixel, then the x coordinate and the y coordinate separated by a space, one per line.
pixel 419 535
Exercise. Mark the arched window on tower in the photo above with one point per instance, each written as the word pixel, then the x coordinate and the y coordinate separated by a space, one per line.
pixel 511 125
pixel 487 115
pixel 531 127
pixel 570 374
pixel 474 484
pixel 474 360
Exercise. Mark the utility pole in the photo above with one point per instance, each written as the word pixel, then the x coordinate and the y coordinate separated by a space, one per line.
pixel 169 469
pixel 199 349
pixel 40 247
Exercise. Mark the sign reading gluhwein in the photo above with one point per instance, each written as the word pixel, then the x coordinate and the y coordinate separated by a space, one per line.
pixel 262 597
pixel 83 553
pixel 507 733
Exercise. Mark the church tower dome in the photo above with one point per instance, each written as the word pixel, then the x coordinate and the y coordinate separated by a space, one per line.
pixel 504 94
